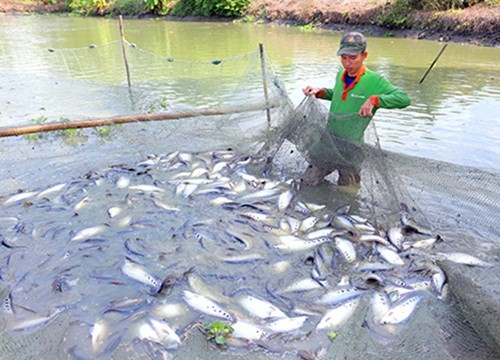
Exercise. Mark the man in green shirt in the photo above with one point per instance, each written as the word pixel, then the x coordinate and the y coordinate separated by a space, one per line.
pixel 357 94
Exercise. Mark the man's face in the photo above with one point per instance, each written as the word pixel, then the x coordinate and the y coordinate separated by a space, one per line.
pixel 352 63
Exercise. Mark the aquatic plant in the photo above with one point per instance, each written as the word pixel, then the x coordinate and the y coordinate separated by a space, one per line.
pixel 218 332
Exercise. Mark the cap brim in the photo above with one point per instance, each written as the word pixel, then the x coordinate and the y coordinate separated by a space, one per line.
pixel 349 52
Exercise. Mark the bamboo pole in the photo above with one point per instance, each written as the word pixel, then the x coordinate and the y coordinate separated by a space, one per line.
pixel 122 34
pixel 266 94
pixel 174 115
pixel 433 63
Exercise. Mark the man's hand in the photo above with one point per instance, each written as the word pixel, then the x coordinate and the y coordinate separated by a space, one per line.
pixel 366 109
pixel 309 90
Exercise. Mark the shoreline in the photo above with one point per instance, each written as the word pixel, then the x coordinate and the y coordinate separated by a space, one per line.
pixel 478 25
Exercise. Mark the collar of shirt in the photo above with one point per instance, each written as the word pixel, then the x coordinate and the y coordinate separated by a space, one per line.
pixel 361 72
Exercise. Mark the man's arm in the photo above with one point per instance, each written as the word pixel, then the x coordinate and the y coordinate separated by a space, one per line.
pixel 389 97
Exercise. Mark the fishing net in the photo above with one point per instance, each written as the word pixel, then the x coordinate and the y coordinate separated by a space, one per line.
pixel 265 140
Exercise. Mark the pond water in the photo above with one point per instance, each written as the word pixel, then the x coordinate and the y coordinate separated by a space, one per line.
pixel 453 116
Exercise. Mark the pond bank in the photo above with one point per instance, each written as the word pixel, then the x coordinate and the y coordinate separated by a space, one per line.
pixel 477 25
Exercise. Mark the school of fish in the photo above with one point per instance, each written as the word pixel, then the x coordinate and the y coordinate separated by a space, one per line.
pixel 142 255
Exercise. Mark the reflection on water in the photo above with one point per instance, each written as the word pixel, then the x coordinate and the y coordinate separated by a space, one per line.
pixel 457 102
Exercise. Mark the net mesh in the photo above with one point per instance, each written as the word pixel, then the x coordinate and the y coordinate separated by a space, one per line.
pixel 459 203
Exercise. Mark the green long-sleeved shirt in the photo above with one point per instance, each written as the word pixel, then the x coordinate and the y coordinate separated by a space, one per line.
pixel 368 85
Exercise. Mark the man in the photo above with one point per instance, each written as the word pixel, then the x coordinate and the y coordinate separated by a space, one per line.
pixel 357 94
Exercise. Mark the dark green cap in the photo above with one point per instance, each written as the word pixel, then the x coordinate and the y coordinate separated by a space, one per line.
pixel 352 44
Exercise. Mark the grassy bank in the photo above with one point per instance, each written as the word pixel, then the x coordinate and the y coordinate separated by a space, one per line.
pixel 474 21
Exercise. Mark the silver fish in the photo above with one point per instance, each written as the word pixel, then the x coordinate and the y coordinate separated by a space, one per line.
pixel 205 305
pixel 284 200
pixel 346 248
pixel 146 188
pixel 82 204
pixel 340 294
pixel 301 245
pixel 122 182
pixel 286 324
pixel 259 307
pixel 51 190
pixel 389 255
pixel 403 309
pixel 141 274
pixel 302 285
pixel 20 197
pixel 245 330
pixel 29 324
pixel 336 317
pixel 88 232
pixel 466 259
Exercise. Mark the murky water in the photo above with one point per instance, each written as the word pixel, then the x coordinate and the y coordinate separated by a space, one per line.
pixel 453 117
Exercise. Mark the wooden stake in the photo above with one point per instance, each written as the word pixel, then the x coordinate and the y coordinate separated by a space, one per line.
pixel 435 60
pixel 266 95
pixel 29 129
pixel 122 34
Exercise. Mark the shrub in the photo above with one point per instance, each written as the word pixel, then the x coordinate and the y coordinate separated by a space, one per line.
pixel 225 8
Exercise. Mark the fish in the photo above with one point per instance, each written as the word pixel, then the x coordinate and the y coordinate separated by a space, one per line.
pixel 346 248
pixel 341 293
pixel 169 310
pixel 146 188
pixel 243 258
pixel 375 238
pixel 403 308
pixel 343 222
pixel 199 286
pixel 301 245
pixel 335 318
pixel 379 305
pixel 246 330
pixel 389 255
pixel 51 190
pixel 99 332
pixel 259 307
pixel 20 197
pixel 7 305
pixel 396 237
pixel 82 203
pixel 465 259
pixel 123 182
pixel 165 332
pixel 126 305
pixel 302 285
pixel 308 223
pixel 31 323
pixel 158 331
pixel 284 200
pixel 423 243
pixel 319 233
pixel 206 306
pixel 113 211
pixel 88 232
pixel 286 324
pixel 141 274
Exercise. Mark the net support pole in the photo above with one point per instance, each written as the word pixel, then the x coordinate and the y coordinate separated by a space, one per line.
pixel 122 35
pixel 433 63
pixel 174 115
pixel 266 93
